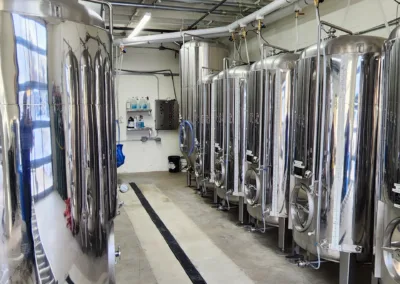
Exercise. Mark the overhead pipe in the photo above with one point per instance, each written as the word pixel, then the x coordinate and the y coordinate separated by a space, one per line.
pixel 111 13
pixel 171 8
pixel 208 33
pixel 393 22
pixel 226 4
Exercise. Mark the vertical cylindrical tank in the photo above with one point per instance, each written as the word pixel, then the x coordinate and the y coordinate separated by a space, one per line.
pixel 387 218
pixel 270 99
pixel 205 101
pixel 230 87
pixel 346 138
pixel 197 58
pixel 57 197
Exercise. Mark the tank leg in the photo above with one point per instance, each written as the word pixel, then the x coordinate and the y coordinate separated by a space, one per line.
pixel 374 280
pixel 222 206
pixel 198 185
pixel 189 178
pixel 347 268
pixel 203 188
pixel 215 196
pixel 241 210
pixel 295 257
pixel 284 234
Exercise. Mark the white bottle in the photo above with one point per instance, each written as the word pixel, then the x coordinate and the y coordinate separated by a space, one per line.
pixel 148 103
pixel 134 104
pixel 128 104
pixel 142 103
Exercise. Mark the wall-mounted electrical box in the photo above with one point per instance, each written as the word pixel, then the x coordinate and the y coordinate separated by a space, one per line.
pixel 166 114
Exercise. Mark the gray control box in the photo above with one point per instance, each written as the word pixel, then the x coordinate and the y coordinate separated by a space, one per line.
pixel 166 114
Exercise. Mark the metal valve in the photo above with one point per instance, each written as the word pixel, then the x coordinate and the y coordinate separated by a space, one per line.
pixel 308 174
pixel 118 255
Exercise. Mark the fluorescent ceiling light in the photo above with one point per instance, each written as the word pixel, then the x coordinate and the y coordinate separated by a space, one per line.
pixel 141 25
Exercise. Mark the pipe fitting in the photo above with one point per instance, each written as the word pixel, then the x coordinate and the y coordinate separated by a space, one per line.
pixel 302 264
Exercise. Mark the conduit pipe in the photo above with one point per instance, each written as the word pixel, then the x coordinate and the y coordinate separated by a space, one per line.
pixel 212 32
pixel 173 8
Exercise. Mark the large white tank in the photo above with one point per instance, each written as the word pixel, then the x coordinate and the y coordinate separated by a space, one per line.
pixel 387 218
pixel 230 91
pixel 197 59
pixel 346 137
pixel 58 186
pixel 268 131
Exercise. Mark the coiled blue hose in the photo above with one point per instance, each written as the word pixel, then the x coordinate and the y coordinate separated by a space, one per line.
pixel 182 129
pixel 120 154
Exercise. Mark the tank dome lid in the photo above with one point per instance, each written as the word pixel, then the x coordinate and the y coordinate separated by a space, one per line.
pixel 207 79
pixel 395 33
pixel 311 51
pixel 240 71
pixel 280 61
pixel 66 10
pixel 354 44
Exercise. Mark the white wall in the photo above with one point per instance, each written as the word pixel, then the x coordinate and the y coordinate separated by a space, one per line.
pixel 361 15
pixel 149 156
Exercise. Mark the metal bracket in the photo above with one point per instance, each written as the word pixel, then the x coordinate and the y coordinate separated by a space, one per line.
pixel 347 248
pixel 299 165
pixel 396 188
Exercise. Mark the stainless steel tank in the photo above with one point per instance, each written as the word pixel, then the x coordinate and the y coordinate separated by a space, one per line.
pixel 57 138
pixel 346 136
pixel 204 167
pixel 229 168
pixel 269 109
pixel 387 219
pixel 196 59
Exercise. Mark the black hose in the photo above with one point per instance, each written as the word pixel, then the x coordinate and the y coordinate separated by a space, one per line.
pixel 156 72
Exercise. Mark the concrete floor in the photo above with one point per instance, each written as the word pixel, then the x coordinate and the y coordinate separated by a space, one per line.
pixel 254 255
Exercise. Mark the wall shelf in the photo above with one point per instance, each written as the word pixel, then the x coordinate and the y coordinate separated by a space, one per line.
pixel 139 129
pixel 139 110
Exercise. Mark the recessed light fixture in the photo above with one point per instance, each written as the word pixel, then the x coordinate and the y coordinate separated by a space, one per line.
pixel 140 26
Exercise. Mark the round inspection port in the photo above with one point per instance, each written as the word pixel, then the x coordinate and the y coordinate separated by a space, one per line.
pixel 302 207
pixel 252 187
pixel 219 173
pixel 391 249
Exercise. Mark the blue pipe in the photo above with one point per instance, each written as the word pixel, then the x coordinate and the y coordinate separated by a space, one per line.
pixel 182 128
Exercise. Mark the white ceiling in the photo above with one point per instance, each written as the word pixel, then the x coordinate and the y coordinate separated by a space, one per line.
pixel 163 20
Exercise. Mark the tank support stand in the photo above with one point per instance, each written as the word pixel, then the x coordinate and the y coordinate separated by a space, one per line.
pixel 189 178
pixel 347 268
pixel 243 214
pixel 284 234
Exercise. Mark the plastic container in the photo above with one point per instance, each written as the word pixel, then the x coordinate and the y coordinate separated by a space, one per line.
pixel 134 103
pixel 131 123
pixel 143 103
pixel 148 103
pixel 174 164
